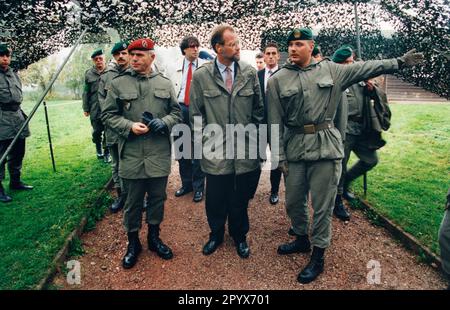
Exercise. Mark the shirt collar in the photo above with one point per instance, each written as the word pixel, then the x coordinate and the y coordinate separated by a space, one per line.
pixel 222 67
pixel 273 69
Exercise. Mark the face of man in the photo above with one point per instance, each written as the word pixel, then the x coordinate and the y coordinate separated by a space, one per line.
pixel 300 52
pixel 141 61
pixel 99 62
pixel 271 57
pixel 230 51
pixel 260 64
pixel 191 53
pixel 122 58
pixel 348 61
pixel 5 61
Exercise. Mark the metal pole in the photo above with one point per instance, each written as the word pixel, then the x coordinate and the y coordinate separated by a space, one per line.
pixel 358 36
pixel 365 183
pixel 49 137
pixel 8 150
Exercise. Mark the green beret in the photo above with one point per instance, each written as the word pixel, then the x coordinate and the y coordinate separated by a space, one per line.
pixel 300 34
pixel 4 49
pixel 316 50
pixel 97 53
pixel 119 46
pixel 342 54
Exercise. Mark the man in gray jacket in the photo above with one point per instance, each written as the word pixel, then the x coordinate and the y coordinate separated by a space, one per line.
pixel 305 98
pixel 226 92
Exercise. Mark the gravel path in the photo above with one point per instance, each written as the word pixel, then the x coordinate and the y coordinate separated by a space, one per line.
pixel 185 229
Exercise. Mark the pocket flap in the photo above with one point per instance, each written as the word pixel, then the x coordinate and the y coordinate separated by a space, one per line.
pixel 246 92
pixel 211 93
pixel 162 93
pixel 288 92
pixel 326 83
pixel 128 96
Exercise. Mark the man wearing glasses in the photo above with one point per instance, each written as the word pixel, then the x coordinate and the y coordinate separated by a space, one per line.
pixel 192 177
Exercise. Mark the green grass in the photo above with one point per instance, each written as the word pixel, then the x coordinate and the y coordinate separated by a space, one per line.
pixel 35 225
pixel 410 184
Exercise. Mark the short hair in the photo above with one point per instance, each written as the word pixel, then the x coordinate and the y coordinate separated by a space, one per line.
pixel 259 55
pixel 271 44
pixel 217 35
pixel 188 41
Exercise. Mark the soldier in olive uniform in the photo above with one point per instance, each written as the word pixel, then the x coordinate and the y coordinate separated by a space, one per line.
pixel 304 97
pixel 355 138
pixel 444 240
pixel 115 68
pixel 144 148
pixel 226 91
pixel 11 120
pixel 91 106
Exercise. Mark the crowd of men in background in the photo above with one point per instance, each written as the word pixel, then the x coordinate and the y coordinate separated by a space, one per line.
pixel 324 109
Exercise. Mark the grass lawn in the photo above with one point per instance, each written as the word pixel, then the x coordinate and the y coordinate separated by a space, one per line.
pixel 35 225
pixel 410 184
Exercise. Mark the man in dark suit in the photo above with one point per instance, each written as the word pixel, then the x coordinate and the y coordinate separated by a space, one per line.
pixel 271 58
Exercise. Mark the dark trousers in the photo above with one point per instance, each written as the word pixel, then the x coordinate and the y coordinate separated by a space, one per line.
pixel 227 196
pixel 14 159
pixel 98 132
pixel 191 173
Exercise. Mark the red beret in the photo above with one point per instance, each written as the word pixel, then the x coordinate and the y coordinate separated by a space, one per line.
pixel 141 44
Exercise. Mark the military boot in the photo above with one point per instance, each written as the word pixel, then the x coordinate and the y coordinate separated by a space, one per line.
pixel 314 267
pixel 339 209
pixel 119 203
pixel 155 244
pixel 3 196
pixel 98 148
pixel 16 184
pixel 300 245
pixel 133 250
pixel 106 156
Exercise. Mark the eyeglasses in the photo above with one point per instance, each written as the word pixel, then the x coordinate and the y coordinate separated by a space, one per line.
pixel 194 46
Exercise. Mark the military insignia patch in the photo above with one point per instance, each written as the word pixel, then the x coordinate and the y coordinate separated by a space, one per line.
pixel 144 44
pixel 124 46
pixel 127 105
pixel 297 34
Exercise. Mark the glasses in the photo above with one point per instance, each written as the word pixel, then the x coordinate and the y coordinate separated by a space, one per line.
pixel 193 46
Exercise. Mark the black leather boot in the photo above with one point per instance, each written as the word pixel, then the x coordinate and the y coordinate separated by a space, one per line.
pixel 98 148
pixel 3 196
pixel 339 209
pixel 119 203
pixel 155 244
pixel 18 185
pixel 133 250
pixel 314 267
pixel 300 245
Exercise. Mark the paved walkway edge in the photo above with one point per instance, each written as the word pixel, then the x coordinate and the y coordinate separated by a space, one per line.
pixel 76 233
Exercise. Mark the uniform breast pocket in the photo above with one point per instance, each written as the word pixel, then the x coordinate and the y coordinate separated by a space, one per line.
pixel 4 91
pixel 162 97
pixel 211 95
pixel 288 98
pixel 325 85
pixel 126 101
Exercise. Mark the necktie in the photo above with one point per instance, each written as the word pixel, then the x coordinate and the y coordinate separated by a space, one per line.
pixel 270 73
pixel 228 79
pixel 188 85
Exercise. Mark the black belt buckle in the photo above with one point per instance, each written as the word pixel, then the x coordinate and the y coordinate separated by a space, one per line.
pixel 309 129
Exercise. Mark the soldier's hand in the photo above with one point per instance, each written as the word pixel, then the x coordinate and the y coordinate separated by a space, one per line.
pixel 283 167
pixel 139 129
pixel 86 114
pixel 370 86
pixel 411 58
pixel 157 125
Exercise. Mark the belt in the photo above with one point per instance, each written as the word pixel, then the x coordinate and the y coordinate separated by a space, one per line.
pixel 311 128
pixel 10 107
pixel 355 118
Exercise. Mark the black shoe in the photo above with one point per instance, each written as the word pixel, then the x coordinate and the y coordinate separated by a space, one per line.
pixel 349 196
pixel 182 191
pixel 3 196
pixel 299 245
pixel 242 249
pixel 291 232
pixel 198 196
pixel 20 186
pixel 339 210
pixel 273 199
pixel 211 246
pixel 155 244
pixel 119 203
pixel 133 250
pixel 99 151
pixel 314 267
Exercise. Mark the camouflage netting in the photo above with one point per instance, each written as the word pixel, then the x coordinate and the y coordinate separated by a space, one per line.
pixel 36 29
